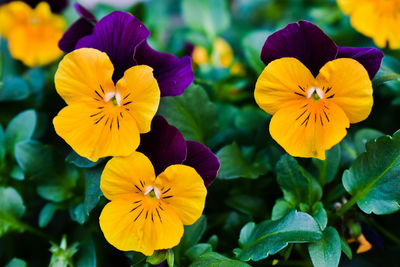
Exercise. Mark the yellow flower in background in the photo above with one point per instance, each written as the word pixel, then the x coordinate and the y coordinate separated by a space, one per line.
pixel 32 34
pixel 223 53
pixel 310 115
pixel 377 19
pixel 103 119
pixel 146 212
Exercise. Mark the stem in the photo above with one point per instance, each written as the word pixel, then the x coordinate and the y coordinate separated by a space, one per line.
pixel 349 204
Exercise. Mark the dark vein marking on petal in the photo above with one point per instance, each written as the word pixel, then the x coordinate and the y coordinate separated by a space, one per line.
pixel 139 215
pixel 96 114
pixel 141 183
pixel 301 114
pixel 331 96
pixel 299 94
pixel 159 204
pixel 136 207
pixel 126 96
pixel 137 201
pixel 167 190
pixel 152 219
pixel 111 124
pixel 138 188
pixel 326 115
pixel 98 94
pixel 118 122
pixel 168 197
pixel 158 215
pixel 320 117
pixel 147 213
pixel 306 120
pixel 99 119
pixel 127 103
pixel 328 89
pixel 121 115
pixel 101 88
pixel 301 88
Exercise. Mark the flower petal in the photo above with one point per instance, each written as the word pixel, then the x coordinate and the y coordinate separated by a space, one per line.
pixel 122 174
pixel 282 80
pixel 302 40
pixel 311 133
pixel 82 27
pixel 164 145
pixel 140 95
pixel 91 134
pixel 81 73
pixel 128 228
pixel 13 14
pixel 173 74
pixel 182 188
pixel 203 160
pixel 118 34
pixel 351 87
pixel 370 58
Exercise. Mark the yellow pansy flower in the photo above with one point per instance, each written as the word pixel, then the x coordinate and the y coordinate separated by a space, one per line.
pixel 103 119
pixel 146 212
pixel 377 19
pixel 32 34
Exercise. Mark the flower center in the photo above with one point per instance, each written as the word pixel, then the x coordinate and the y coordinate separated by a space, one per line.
pixel 114 97
pixel 315 93
pixel 152 192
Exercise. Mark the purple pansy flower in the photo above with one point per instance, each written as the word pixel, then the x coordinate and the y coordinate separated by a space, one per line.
pixel 124 38
pixel 309 44
pixel 56 6
pixel 164 145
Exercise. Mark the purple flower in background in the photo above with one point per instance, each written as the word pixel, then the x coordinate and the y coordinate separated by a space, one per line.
pixel 309 44
pixel 56 6
pixel 124 38
pixel 164 145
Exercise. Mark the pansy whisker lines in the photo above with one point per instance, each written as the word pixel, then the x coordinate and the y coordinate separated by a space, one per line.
pixel 138 189
pixel 136 207
pixel 139 215
pixel 299 94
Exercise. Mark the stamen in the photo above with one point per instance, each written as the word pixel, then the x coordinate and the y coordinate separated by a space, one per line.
pixel 152 191
pixel 316 93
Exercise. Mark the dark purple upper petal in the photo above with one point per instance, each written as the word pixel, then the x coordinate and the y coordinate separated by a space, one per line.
pixel 164 145
pixel 82 27
pixel 173 74
pixel 118 34
pixel 203 160
pixel 302 40
pixel 370 58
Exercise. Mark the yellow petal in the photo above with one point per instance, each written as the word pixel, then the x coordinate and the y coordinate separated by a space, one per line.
pixel 126 175
pixel 280 82
pixel 364 244
pixel 134 226
pixel 80 74
pixel 224 52
pixel 307 129
pixel 141 95
pixel 13 14
pixel 351 87
pixel 183 190
pixel 95 135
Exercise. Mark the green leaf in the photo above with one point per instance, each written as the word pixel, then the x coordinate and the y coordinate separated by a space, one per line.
pixel 251 205
pixel 362 136
pixel 251 118
pixel 81 162
pixel 281 209
pixel 197 250
pixel 234 164
pixel 252 45
pixel 214 259
pixel 35 78
pixel 34 158
pixel 86 256
pixel 20 128
pixel 11 209
pixel 2 144
pixel 209 16
pixel 46 214
pixel 319 214
pixel 373 179
pixel 14 89
pixel 193 233
pixel 298 186
pixel 17 173
pixel 269 237
pixel 15 262
pixel 346 248
pixel 192 113
pixel 326 252
pixel 328 168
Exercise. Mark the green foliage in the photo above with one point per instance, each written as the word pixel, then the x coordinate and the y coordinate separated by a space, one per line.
pixel 81 162
pixel 214 259
pixel 252 45
pixel 13 89
pixel 211 17
pixel 328 168
pixel 192 113
pixel 15 262
pixel 20 128
pixel 326 252
pixel 373 176
pixel 34 158
pixel 269 237
pixel 234 164
pixel 12 208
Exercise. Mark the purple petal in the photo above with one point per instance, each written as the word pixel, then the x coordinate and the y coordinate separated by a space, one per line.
pixel 164 145
pixel 203 160
pixel 118 34
pixel 302 40
pixel 82 27
pixel 173 75
pixel 370 58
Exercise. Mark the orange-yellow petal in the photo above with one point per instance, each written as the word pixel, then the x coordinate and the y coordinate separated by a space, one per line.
pixel 80 74
pixel 95 135
pixel 142 95
pixel 280 82
pixel 307 129
pixel 33 34
pixel 351 87
pixel 223 53
pixel 126 175
pixel 139 227
pixel 182 188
